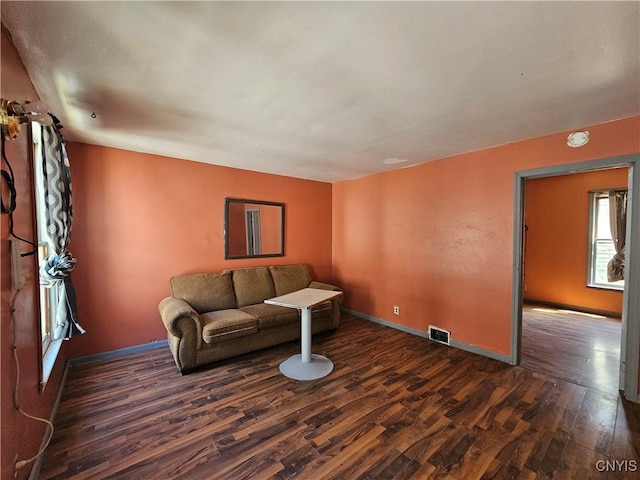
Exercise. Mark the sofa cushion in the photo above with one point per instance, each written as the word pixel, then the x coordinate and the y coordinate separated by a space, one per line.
pixel 204 291
pixel 289 278
pixel 252 285
pixel 272 315
pixel 222 325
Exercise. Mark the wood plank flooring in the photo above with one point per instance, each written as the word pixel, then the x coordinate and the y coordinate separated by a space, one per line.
pixel 578 347
pixel 396 406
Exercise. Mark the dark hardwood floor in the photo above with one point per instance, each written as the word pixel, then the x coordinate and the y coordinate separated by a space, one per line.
pixel 578 347
pixel 396 406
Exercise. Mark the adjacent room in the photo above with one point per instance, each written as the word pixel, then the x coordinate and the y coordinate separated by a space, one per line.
pixel 573 312
pixel 320 240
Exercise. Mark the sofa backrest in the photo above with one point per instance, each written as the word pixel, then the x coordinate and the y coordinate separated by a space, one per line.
pixel 289 278
pixel 239 287
pixel 252 285
pixel 205 292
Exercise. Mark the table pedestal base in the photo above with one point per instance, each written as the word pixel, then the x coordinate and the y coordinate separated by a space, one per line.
pixel 296 369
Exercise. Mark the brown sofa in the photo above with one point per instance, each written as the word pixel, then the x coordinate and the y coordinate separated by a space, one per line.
pixel 212 316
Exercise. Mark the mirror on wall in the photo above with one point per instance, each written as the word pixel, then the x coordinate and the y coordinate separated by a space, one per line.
pixel 253 228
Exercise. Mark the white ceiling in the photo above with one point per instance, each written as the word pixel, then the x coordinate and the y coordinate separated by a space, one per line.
pixel 327 90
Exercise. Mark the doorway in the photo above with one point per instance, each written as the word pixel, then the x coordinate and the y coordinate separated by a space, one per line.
pixel 254 242
pixel 571 326
pixel 629 356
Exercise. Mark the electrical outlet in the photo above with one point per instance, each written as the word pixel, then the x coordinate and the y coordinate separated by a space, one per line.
pixel 396 310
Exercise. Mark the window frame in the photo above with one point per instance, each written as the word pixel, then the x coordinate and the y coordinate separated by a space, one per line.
pixel 594 197
pixel 47 295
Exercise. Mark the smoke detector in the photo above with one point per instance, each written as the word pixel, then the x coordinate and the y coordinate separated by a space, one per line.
pixel 577 139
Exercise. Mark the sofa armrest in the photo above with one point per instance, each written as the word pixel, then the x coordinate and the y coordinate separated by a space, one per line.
pixel 335 302
pixel 173 311
pixel 323 286
pixel 326 286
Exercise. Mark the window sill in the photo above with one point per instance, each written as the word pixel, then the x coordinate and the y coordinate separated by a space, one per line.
pixel 49 360
pixel 607 287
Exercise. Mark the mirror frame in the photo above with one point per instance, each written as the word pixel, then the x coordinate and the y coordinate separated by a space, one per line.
pixel 227 202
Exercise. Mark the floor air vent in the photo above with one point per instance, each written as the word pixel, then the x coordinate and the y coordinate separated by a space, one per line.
pixel 439 335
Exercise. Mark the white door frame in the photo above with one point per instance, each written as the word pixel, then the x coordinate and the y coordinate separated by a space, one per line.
pixel 630 341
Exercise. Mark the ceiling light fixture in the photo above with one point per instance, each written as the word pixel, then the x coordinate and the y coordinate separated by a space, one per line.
pixel 577 139
pixel 393 161
pixel 14 114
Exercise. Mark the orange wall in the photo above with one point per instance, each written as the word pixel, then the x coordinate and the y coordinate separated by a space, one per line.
pixel 139 219
pixel 21 437
pixel 270 228
pixel 237 236
pixel 556 254
pixel 436 239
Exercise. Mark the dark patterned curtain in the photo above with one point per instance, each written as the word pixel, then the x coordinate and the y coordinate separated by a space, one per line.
pixel 57 268
pixel 618 220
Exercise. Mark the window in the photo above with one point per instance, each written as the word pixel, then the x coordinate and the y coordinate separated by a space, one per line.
pixel 50 336
pixel 601 245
